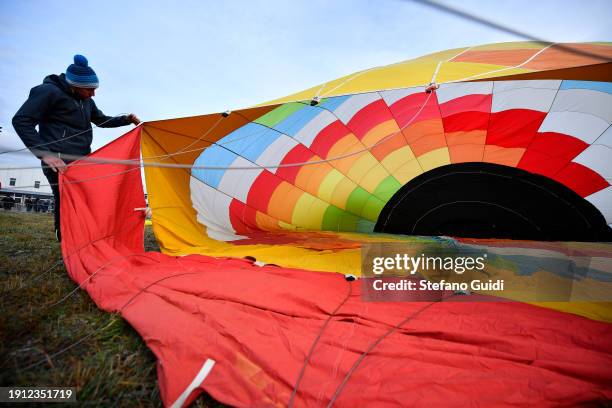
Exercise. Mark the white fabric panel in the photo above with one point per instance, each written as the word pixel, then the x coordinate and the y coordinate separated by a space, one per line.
pixel 597 158
pixel 395 95
pixel 212 208
pixel 580 125
pixel 606 138
pixel 448 92
pixel 585 100
pixel 237 183
pixel 602 200
pixel 354 104
pixel 276 152
pixel 308 133
pixel 517 95
pixel 502 86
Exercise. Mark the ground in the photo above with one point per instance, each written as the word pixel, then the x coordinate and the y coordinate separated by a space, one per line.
pixel 111 366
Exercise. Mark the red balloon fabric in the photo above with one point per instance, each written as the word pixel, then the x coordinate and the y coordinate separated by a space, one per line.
pixel 254 335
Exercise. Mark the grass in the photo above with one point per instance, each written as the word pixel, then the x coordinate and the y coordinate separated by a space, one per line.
pixel 112 367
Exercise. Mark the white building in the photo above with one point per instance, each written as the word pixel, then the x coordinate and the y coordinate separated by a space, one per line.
pixel 19 182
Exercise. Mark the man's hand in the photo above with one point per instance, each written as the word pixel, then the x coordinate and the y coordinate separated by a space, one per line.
pixel 134 119
pixel 55 163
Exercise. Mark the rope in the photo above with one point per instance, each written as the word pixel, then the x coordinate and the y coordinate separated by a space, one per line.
pixel 376 343
pixel 256 167
pixel 314 345
pixel 64 138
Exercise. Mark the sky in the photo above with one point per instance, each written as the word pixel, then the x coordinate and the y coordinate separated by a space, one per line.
pixel 161 59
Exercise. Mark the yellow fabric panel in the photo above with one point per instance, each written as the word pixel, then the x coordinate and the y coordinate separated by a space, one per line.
pixel 398 158
pixel 412 73
pixel 419 72
pixel 308 212
pixel 516 45
pixel 435 158
pixel 593 310
pixel 373 177
pixel 360 172
pixel 328 186
pixel 173 217
pixel 459 71
pixel 408 171
pixel 286 226
pixel 342 192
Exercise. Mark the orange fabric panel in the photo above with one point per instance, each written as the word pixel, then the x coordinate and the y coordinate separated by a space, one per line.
pixel 465 153
pixel 391 144
pixel 311 176
pixel 499 57
pixel 507 156
pixel 477 137
pixel 555 58
pixel 282 201
pixel 265 222
pixel 346 144
pixel 379 132
pixel 198 132
pixel 425 136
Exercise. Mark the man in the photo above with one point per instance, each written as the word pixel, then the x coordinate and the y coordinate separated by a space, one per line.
pixel 63 110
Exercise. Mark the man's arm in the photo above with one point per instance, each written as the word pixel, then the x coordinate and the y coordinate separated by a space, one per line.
pixel 101 120
pixel 30 115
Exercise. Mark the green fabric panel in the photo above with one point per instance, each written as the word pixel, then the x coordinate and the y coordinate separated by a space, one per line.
pixel 372 208
pixel 387 188
pixel 365 226
pixel 279 114
pixel 335 219
pixel 357 200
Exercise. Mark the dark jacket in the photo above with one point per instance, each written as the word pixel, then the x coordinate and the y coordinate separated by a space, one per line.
pixel 60 116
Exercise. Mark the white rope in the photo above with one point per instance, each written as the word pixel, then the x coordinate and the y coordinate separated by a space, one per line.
pixel 435 74
pixel 256 167
pixel 503 69
pixel 63 138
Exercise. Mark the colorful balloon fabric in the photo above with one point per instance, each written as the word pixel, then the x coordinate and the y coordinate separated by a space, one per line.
pixel 367 146
pixel 299 185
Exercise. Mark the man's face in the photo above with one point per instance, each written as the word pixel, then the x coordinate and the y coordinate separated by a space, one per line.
pixel 84 93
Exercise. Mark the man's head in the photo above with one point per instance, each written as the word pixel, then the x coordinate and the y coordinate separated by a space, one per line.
pixel 84 93
pixel 82 78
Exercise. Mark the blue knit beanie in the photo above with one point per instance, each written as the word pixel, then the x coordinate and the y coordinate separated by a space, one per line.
pixel 80 74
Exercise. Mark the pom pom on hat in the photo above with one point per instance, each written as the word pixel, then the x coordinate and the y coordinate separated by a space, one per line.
pixel 80 74
pixel 80 60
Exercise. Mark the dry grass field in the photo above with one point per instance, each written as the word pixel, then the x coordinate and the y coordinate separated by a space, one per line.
pixel 111 366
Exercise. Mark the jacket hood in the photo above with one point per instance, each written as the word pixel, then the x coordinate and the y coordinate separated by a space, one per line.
pixel 59 81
